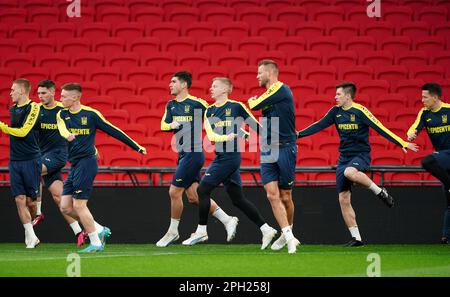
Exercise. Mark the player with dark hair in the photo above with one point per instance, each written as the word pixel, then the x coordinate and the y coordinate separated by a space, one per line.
pixel 25 157
pixel 78 124
pixel 278 149
pixel 435 116
pixel 54 154
pixel 184 117
pixel 223 121
pixel 352 122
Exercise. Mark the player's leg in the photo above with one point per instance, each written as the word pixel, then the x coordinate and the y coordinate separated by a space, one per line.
pixel 230 223
pixel 176 209
pixel 446 224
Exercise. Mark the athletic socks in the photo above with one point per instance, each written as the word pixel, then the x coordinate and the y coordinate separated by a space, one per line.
pixel 38 208
pixel 173 228
pixel 221 215
pixel 75 227
pixel 287 232
pixel 29 229
pixel 375 189
pixel 95 240
pixel 354 231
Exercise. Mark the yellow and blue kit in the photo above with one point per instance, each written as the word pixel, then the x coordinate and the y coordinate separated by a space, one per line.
pixel 25 158
pixel 353 125
pixel 82 152
pixel 189 113
pixel 278 147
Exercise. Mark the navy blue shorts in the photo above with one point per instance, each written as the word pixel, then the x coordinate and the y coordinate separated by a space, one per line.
pixel 279 167
pixel 360 161
pixel 80 182
pixel 54 160
pixel 443 158
pixel 224 169
pixel 25 177
pixel 188 170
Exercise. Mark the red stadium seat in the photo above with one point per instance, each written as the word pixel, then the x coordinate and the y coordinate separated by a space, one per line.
pixel 108 146
pixel 164 30
pixel 304 89
pixel 231 59
pixel 434 16
pixel 416 158
pixel 109 46
pixel 290 45
pixel 9 47
pixel 123 60
pixel 114 15
pixel 415 30
pixel 59 31
pixel 253 44
pixel 238 4
pixel 442 30
pixel 183 15
pixel 398 15
pixel 129 31
pixel 152 143
pixel 219 15
pixel 417 4
pixel 304 144
pixel 207 4
pixel 330 146
pixel 139 75
pixel 233 30
pixel 309 30
pixel 304 117
pixel 374 88
pixel 358 14
pixel 124 159
pixel 135 131
pixel 199 30
pixel 430 44
pixel 380 113
pixel 364 99
pixel 155 90
pixel 169 5
pixel 6 74
pixel 306 59
pixel 147 15
pixel 160 159
pixel 341 59
pixel 209 72
pixel 34 75
pixel 244 74
pixel 101 103
pixel 159 60
pixel 378 30
pixel 277 56
pixel 329 15
pixel 291 15
pixel 9 4
pixel 104 75
pixel 327 88
pixel 314 5
pixel 427 72
pixel 194 60
pixel 392 101
pixel 117 117
pixel 272 30
pixel 406 115
pixel 90 89
pixel 376 59
pixel 388 158
pixel 343 30
pixel 133 104
pixel 180 45
pixel 320 103
pixel 360 44
pixel 44 15
pixel 275 5
pixel 88 14
pixel 324 44
pixel 254 16
pixel 392 73
pixel 312 158
pixel 411 88
pixel 24 31
pixel 199 88
pixel 39 46
pixel 214 45
pixel 289 74
pixel 398 128
pixel 101 5
pixel 165 73
pixel 144 45
pixel 74 46
pixel 378 143
pixel 412 58
pixel 357 73
pixel 320 73
pixel 13 16
pixel 88 60
pixel 68 74
pixel 396 44
pixel 119 89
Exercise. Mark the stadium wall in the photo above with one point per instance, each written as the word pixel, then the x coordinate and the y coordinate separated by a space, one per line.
pixel 141 215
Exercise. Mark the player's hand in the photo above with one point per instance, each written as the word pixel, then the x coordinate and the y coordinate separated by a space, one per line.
pixel 143 151
pixel 411 146
pixel 71 137
pixel 231 136
pixel 2 126
pixel 412 136
pixel 175 125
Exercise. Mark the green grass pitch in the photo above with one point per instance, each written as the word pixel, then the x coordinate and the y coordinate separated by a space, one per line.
pixel 225 260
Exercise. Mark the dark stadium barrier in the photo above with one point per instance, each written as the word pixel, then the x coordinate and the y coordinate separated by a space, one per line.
pixel 141 215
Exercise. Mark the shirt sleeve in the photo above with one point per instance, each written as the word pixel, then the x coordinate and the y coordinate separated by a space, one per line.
pixel 273 95
pixel 418 125
pixel 110 129
pixel 28 124
pixel 326 121
pixel 212 136
pixel 62 128
pixel 166 119
pixel 249 118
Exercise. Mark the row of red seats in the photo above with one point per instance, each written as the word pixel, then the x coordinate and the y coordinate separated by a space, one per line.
pixel 254 15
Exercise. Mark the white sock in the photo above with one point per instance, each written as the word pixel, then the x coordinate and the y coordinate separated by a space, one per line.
pixel 93 237
pixel 173 228
pixel 221 215
pixel 375 189
pixel 201 229
pixel 75 227
pixel 98 227
pixel 29 229
pixel 354 231
pixel 38 208
pixel 265 228
pixel 287 232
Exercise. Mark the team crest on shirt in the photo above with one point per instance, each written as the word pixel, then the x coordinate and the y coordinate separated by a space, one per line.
pixel 187 108
pixel 228 112
pixel 444 119
pixel 84 121
pixel 352 118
